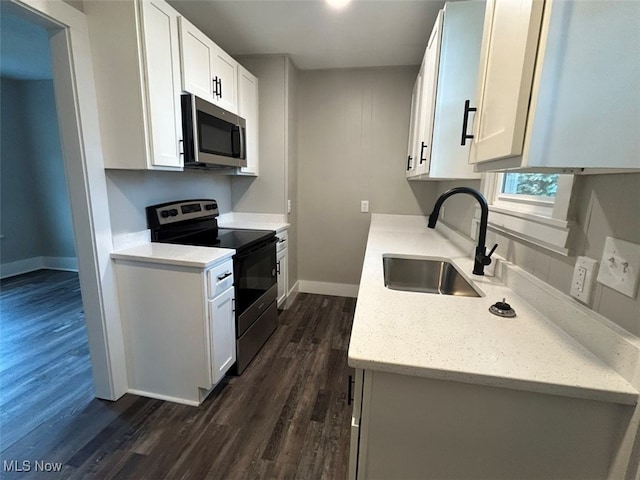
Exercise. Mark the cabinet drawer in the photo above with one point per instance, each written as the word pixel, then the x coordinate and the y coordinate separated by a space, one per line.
pixel 283 241
pixel 220 278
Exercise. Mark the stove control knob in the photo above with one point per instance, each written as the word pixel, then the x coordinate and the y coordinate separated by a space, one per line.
pixel 164 213
pixel 173 212
pixel 210 206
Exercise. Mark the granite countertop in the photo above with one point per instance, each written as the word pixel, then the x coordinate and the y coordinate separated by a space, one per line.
pixel 456 338
pixel 170 254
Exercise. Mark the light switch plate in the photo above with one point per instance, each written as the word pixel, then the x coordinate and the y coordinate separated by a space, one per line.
pixel 584 274
pixel 620 266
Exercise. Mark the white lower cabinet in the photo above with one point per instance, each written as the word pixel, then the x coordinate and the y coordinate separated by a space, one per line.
pixel 179 328
pixel 282 268
pixel 414 427
pixel 222 334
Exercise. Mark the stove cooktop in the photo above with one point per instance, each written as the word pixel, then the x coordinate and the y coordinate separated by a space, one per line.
pixel 194 222
pixel 223 238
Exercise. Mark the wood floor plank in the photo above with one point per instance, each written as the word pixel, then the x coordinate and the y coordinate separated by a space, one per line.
pixel 285 417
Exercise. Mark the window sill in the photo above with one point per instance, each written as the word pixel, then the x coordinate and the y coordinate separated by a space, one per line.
pixel 548 233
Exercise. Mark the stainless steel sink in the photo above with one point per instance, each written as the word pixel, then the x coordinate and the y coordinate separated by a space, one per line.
pixel 428 275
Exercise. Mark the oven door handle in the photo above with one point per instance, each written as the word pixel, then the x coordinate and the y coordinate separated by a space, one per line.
pixel 271 243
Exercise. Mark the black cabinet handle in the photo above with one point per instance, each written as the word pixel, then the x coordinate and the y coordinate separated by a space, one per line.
pixel 422 159
pixel 465 121
pixel 220 87
pixel 409 162
pixel 215 86
pixel 224 275
pixel 278 267
pixel 350 394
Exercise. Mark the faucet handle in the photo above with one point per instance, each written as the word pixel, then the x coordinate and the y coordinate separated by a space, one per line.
pixel 485 259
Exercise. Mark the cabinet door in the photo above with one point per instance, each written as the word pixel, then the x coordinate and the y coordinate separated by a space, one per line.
pixel 428 98
pixel 457 76
pixel 507 60
pixel 196 55
pixel 413 126
pixel 283 277
pixel 225 73
pixel 248 109
pixel 162 68
pixel 223 334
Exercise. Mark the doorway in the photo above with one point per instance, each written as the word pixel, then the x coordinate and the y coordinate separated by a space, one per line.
pixel 43 347
pixel 73 85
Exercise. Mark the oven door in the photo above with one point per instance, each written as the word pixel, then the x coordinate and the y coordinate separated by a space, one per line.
pixel 256 282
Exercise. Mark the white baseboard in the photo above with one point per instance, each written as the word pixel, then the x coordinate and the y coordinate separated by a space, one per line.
pixel 166 398
pixel 69 264
pixel 27 265
pixel 326 288
pixel 291 295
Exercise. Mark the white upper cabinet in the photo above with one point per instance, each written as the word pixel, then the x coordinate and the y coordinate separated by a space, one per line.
pixel 427 99
pixel 225 71
pixel 564 99
pixel 207 70
pixel 448 81
pixel 196 57
pixel 248 109
pixel 413 125
pixel 136 61
pixel 509 44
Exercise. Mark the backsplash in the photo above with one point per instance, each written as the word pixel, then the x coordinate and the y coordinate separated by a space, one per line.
pixel 603 205
pixel 130 191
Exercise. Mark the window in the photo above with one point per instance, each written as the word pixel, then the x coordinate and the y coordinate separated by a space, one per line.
pixel 533 185
pixel 530 206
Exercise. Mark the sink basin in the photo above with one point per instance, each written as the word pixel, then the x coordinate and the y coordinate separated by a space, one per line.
pixel 428 275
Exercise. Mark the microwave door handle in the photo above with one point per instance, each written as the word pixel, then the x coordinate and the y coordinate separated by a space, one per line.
pixel 242 142
pixel 237 133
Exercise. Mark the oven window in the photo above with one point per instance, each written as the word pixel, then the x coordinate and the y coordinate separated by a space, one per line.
pixel 214 135
pixel 255 275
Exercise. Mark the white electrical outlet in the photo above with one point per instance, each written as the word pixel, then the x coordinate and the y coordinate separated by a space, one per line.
pixel 584 275
pixel 288 206
pixel 364 206
pixel 620 266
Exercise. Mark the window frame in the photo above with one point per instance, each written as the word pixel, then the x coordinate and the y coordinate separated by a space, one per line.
pixel 535 220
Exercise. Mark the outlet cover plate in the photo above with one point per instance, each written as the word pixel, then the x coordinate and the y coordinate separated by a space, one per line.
pixel 620 266
pixel 584 275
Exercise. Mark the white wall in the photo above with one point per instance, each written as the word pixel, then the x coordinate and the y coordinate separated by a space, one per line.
pixel 603 205
pixel 352 141
pixel 130 191
pixel 35 210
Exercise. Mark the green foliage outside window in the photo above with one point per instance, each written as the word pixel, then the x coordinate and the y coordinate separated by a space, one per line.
pixel 536 184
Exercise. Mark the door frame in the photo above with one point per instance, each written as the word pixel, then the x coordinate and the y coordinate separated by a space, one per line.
pixel 77 112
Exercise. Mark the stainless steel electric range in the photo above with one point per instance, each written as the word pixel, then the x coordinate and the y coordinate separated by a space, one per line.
pixel 194 222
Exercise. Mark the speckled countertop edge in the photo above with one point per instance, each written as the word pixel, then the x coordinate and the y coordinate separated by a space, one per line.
pixel 171 254
pixel 455 338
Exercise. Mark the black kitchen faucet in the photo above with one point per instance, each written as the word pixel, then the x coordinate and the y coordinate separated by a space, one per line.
pixel 481 258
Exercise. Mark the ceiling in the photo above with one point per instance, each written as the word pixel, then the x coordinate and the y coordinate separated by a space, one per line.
pixel 367 33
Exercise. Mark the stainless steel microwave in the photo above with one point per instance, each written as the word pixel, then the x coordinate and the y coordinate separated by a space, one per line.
pixel 213 137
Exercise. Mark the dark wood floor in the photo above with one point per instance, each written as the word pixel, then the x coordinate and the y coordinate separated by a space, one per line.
pixel 285 417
